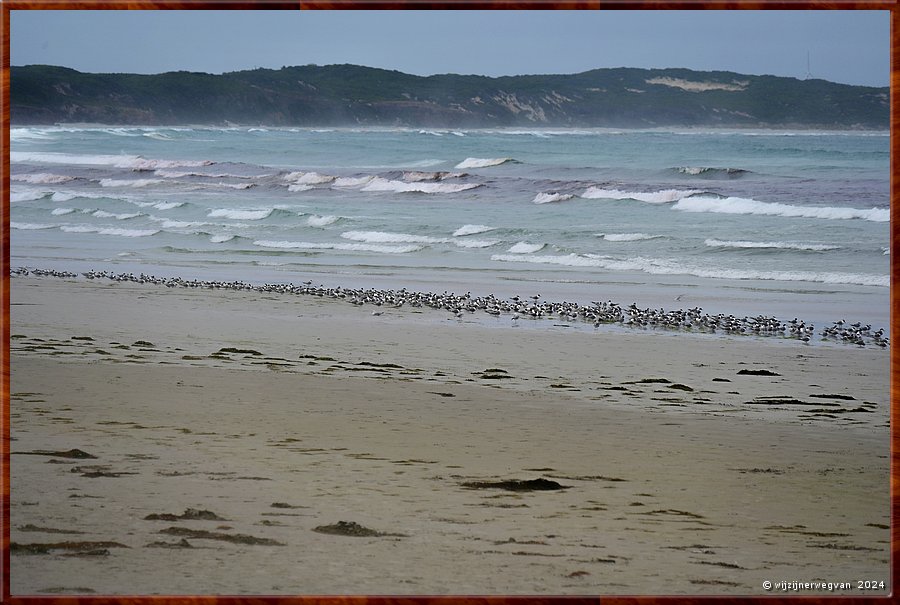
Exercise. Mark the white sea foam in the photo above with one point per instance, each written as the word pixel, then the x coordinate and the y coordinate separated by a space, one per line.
pixel 525 248
pixel 381 237
pixel 129 182
pixel 472 230
pixel 703 170
pixel 41 179
pixel 715 243
pixel 30 226
pixel 736 205
pixel 351 181
pixel 651 197
pixel 322 221
pixel 27 196
pixel 180 174
pixel 133 162
pixel 297 188
pixel 418 176
pixel 118 217
pixel 60 196
pixel 476 243
pixel 65 196
pixel 381 184
pixel 160 205
pixel 549 198
pixel 166 223
pixel 482 162
pixel 221 239
pixel 109 231
pixel 308 178
pixel 569 260
pixel 235 185
pixel 61 211
pixel 676 267
pixel 627 237
pixel 287 245
pixel 25 134
pixel 240 215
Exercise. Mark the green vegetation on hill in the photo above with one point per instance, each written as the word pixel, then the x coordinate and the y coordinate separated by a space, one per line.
pixel 352 95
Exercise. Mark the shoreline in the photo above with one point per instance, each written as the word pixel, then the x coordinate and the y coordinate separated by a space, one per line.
pixel 609 315
pixel 283 416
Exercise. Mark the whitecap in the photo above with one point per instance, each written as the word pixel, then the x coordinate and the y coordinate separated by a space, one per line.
pixel 736 205
pixel 351 181
pixel 627 237
pixel 525 248
pixel 676 267
pixel 482 162
pixel 548 198
pixel 129 183
pixel 118 217
pixel 41 179
pixel 30 226
pixel 651 197
pixel 715 243
pixel 386 237
pixel 472 230
pixel 322 221
pixel 61 211
pixel 309 178
pixel 110 231
pixel 240 215
pixel 27 196
pixel 288 245
pixel 380 184
pixel 476 243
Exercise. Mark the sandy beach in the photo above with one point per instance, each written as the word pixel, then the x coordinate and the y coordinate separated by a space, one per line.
pixel 189 441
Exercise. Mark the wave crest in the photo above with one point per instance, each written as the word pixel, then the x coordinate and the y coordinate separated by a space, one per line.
pixel 483 162
pixel 651 197
pixel 736 205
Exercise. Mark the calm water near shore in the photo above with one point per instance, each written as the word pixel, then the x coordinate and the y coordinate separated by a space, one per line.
pixel 746 222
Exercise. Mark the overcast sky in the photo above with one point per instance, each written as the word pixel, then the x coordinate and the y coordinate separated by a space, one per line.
pixel 851 47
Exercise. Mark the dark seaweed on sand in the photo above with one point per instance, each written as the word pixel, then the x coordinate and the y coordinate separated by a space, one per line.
pixel 517 485
pixel 351 528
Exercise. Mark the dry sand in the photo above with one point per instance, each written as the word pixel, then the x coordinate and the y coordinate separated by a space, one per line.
pixel 317 412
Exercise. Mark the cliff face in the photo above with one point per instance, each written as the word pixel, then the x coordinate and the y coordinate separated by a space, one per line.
pixel 353 95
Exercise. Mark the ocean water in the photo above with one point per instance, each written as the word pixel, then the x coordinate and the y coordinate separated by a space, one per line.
pixel 789 224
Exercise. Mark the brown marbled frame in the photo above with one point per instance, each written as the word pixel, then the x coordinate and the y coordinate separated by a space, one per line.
pixel 7 5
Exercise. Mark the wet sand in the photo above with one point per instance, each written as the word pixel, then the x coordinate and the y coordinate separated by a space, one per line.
pixel 248 443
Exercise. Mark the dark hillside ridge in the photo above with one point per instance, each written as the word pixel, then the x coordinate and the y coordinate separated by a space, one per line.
pixel 350 95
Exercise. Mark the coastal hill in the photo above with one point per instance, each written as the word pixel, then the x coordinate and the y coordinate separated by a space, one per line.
pixel 337 95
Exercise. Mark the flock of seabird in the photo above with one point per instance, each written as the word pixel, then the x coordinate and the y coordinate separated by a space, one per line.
pixel 597 313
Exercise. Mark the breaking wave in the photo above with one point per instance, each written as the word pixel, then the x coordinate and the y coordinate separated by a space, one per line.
pixel 715 243
pixel 337 246
pixel 548 198
pixel 652 197
pixel 483 162
pixel 381 184
pixel 382 237
pixel 110 231
pixel 472 230
pixel 525 248
pixel 673 267
pixel 736 205
pixel 241 215
pixel 627 237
